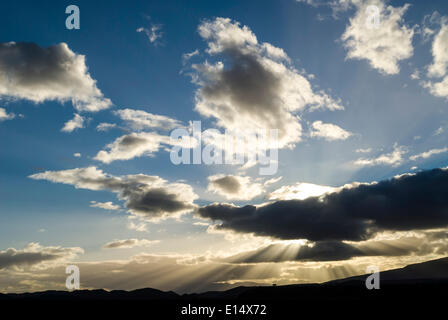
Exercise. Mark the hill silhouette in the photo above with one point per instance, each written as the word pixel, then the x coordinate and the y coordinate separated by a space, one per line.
pixel 418 284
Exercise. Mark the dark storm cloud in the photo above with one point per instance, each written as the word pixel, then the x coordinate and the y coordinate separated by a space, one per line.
pixel 406 202
pixel 28 71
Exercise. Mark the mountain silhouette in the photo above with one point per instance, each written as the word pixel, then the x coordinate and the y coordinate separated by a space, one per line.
pixel 414 285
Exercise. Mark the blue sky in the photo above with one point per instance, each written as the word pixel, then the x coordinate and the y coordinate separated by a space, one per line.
pixel 383 111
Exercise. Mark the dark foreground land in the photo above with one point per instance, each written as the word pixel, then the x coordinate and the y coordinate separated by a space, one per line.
pixel 414 288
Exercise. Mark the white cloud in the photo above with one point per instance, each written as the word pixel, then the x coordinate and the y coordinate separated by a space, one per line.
pixel 439 131
pixel 384 47
pixel 138 144
pixel 105 205
pixel 259 89
pixel 438 69
pixel 234 187
pixel 438 89
pixel 129 243
pixel 393 158
pixel 189 55
pixel 148 197
pixel 54 73
pixel 77 155
pixel 440 53
pixel 104 126
pixel 139 120
pixel 365 150
pixel 272 181
pixel 153 33
pixel 76 123
pixel 427 154
pixel 328 131
pixel 5 115
pixel 300 191
pixel 132 145
pixel 140 226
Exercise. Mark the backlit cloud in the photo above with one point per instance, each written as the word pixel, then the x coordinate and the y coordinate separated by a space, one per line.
pixel 355 212
pixel 140 119
pixel 428 154
pixel 394 158
pixel 234 187
pixel 5 115
pixel 129 243
pixel 383 45
pixel 34 255
pixel 76 123
pixel 38 74
pixel 258 89
pixel 328 131
pixel 148 197
pixel 104 205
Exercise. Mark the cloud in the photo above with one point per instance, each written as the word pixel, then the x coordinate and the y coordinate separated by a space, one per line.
pixel 105 205
pixel 415 75
pixel 365 150
pixel 438 89
pixel 104 126
pixel 423 243
pixel 234 187
pixel 394 158
pixel 299 191
pixel 76 123
pixel 440 53
pixel 132 145
pixel 77 155
pixel 153 33
pixel 427 154
pixel 278 252
pixel 34 254
pixel 258 89
pixel 189 55
pixel 138 144
pixel 130 243
pixel 187 273
pixel 148 197
pixel 5 115
pixel 328 131
pixel 385 46
pixel 199 273
pixel 438 69
pixel 141 226
pixel 439 131
pixel 356 212
pixel 272 181
pixel 139 120
pixel 54 73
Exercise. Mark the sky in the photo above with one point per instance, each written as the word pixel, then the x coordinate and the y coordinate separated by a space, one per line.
pixel 355 91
